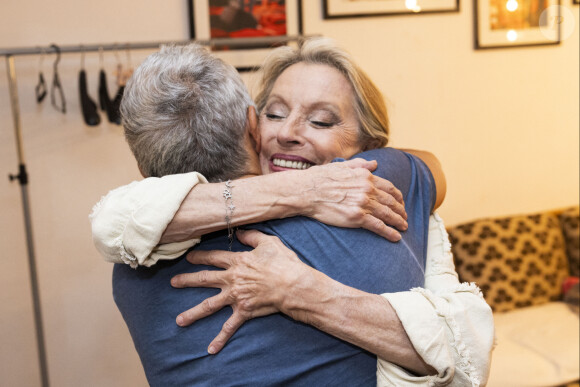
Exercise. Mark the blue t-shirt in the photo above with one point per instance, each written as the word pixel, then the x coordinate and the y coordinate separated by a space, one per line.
pixel 276 350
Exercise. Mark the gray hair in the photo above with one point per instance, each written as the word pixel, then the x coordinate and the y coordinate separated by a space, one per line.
pixel 185 110
pixel 369 103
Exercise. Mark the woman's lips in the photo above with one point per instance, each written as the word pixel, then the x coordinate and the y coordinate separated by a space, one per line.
pixel 279 162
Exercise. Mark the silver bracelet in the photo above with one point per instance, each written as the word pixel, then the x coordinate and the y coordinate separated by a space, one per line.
pixel 228 191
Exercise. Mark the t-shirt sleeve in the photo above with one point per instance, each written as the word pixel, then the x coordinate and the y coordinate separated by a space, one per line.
pixel 127 223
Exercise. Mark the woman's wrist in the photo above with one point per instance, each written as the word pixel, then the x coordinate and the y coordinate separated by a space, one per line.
pixel 256 199
pixel 306 295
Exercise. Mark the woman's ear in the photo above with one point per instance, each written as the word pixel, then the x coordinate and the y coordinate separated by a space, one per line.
pixel 253 128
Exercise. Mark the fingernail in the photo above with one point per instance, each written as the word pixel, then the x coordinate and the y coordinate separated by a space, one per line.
pixel 179 320
pixel 405 225
pixel 211 350
pixel 398 237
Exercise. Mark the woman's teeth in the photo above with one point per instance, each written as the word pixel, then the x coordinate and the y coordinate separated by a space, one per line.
pixel 291 164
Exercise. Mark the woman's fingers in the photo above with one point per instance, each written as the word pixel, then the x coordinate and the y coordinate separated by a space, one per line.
pixel 347 194
pixel 204 279
pixel 377 226
pixel 217 258
pixel 388 188
pixel 208 307
pixel 389 210
pixel 371 165
pixel 380 183
pixel 228 329
pixel 252 238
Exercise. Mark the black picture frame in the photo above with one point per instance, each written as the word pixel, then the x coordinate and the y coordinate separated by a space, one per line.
pixel 499 28
pixel 249 51
pixel 340 9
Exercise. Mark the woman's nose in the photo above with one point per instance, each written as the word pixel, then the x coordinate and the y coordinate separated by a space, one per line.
pixel 289 133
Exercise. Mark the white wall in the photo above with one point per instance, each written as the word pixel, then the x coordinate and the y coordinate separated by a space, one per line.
pixel 504 123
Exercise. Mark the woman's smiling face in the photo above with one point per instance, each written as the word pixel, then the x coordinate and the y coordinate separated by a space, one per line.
pixel 309 119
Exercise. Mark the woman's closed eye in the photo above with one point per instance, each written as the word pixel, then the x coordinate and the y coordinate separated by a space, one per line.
pixel 274 116
pixel 324 119
pixel 322 124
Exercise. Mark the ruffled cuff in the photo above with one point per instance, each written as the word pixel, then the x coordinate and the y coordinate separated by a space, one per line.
pixel 128 223
pixel 422 322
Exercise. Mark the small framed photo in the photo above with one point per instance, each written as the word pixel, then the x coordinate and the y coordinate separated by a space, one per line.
pixel 336 9
pixel 255 25
pixel 510 23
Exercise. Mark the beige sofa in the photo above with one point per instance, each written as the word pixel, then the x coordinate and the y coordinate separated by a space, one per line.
pixel 527 268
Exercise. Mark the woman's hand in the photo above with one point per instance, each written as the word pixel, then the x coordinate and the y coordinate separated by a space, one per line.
pixel 254 283
pixel 347 194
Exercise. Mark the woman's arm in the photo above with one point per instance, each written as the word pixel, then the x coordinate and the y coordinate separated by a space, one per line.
pixel 160 218
pixel 444 331
pixel 271 278
pixel 448 322
pixel 340 194
pixel 436 170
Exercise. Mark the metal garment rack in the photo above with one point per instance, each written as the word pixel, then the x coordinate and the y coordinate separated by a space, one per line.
pixel 22 175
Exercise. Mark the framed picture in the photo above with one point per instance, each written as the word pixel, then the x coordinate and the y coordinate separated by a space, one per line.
pixel 335 9
pixel 510 23
pixel 245 29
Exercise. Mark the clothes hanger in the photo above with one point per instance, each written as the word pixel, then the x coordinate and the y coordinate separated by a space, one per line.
pixel 123 76
pixel 129 71
pixel 103 93
pixel 116 103
pixel 40 89
pixel 56 85
pixel 104 100
pixel 88 106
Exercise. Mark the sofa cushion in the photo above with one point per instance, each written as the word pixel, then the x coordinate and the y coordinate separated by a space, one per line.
pixel 536 346
pixel 516 261
pixel 570 222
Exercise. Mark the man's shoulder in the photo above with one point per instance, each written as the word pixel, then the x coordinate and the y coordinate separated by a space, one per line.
pixel 387 156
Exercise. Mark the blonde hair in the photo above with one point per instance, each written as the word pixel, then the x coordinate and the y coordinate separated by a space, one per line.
pixel 369 106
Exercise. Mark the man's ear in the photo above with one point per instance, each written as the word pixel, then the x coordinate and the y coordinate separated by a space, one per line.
pixel 253 129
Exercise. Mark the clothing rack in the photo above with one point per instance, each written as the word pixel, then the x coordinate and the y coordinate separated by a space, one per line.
pixel 22 175
pixel 217 43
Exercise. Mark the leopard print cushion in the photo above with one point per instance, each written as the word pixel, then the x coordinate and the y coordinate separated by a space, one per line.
pixel 570 222
pixel 516 261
